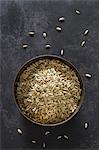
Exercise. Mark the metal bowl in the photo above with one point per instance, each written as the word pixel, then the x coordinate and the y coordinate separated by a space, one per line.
pixel 27 64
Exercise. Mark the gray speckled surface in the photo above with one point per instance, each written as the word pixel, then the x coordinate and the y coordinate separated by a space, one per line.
pixel 17 18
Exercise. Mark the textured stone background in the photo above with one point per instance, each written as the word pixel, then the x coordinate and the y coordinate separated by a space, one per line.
pixel 17 18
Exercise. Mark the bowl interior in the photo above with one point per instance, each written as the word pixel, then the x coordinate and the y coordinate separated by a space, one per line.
pixel 27 64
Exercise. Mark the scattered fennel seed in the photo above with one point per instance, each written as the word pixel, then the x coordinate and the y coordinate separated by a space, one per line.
pixel 62 52
pixel 86 125
pixel 31 33
pixel 47 132
pixel 61 19
pixel 86 32
pixel 77 12
pixel 33 141
pixel 88 75
pixel 47 46
pixel 25 46
pixel 83 43
pixel 44 145
pixel 19 131
pixel 58 29
pixel 65 136
pixel 44 34
pixel 59 137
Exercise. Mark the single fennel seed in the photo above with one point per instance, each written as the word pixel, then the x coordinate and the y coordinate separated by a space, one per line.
pixel 44 145
pixel 47 132
pixel 61 19
pixel 85 125
pixel 58 28
pixel 44 34
pixel 19 131
pixel 65 136
pixel 47 46
pixel 86 32
pixel 33 141
pixel 59 137
pixel 62 52
pixel 88 75
pixel 83 43
pixel 25 46
pixel 31 33
pixel 77 12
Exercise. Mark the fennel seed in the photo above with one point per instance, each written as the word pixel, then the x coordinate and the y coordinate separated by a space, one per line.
pixel 88 75
pixel 62 52
pixel 47 46
pixel 31 33
pixel 77 12
pixel 44 145
pixel 44 34
pixel 58 28
pixel 85 125
pixel 65 136
pixel 61 19
pixel 59 137
pixel 83 43
pixel 19 131
pixel 33 141
pixel 86 32
pixel 25 46
pixel 47 132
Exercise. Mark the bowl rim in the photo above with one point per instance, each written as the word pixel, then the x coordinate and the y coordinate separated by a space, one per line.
pixel 41 57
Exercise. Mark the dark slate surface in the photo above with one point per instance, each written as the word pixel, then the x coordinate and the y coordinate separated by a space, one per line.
pixel 17 18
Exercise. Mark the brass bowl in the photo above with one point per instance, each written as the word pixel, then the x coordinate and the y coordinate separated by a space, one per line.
pixel 41 57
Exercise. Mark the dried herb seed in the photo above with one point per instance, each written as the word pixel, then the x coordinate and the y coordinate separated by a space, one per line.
pixel 25 46
pixel 44 145
pixel 47 46
pixel 33 142
pixel 85 125
pixel 62 52
pixel 77 12
pixel 19 131
pixel 83 43
pixel 31 33
pixel 88 75
pixel 58 29
pixel 86 32
pixel 59 137
pixel 61 19
pixel 47 132
pixel 44 34
pixel 65 136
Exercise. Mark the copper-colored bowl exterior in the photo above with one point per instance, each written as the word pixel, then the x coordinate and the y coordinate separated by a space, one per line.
pixel 41 57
